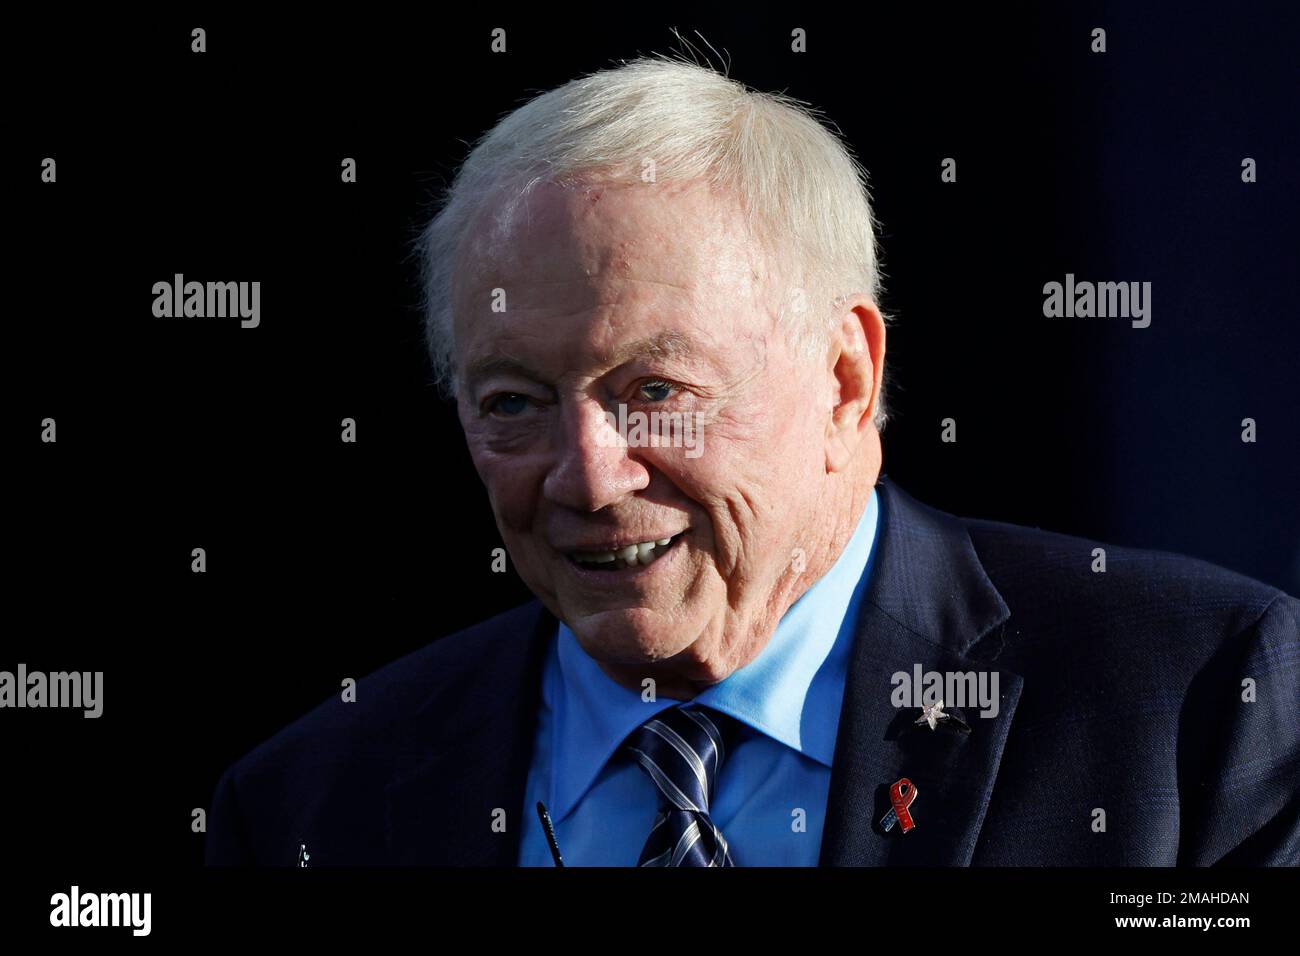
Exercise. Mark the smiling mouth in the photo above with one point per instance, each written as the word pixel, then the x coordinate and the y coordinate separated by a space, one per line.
pixel 632 556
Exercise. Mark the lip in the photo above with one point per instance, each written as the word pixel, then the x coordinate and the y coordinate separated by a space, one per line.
pixel 616 544
pixel 618 575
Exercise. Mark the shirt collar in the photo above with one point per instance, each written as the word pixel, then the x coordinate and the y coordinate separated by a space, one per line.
pixel 791 692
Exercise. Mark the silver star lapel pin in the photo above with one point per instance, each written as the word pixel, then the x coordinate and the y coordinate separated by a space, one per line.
pixel 931 715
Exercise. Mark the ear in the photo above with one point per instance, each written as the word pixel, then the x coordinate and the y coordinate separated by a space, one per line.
pixel 856 364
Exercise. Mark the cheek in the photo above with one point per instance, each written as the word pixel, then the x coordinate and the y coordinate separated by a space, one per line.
pixel 513 487
pixel 513 495
pixel 754 473
pixel 760 449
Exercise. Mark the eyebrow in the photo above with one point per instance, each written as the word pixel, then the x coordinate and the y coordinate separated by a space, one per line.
pixel 491 365
pixel 664 345
pixel 669 344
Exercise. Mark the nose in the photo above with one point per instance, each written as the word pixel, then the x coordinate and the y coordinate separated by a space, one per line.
pixel 592 467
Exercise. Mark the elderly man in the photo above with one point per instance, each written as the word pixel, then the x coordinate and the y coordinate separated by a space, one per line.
pixel 747 647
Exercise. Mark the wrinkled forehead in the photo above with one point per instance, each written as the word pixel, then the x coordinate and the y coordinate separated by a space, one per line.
pixel 687 235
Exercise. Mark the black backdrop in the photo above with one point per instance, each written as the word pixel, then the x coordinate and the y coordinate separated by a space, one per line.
pixel 326 560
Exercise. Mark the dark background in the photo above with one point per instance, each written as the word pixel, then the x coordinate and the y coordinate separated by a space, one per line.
pixel 326 560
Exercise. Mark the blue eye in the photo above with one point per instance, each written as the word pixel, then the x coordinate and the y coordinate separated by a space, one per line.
pixel 657 391
pixel 508 404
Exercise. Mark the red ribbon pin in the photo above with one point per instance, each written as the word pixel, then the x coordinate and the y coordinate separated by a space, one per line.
pixel 901 795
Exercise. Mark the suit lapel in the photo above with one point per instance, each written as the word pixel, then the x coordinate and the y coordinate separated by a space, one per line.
pixel 457 772
pixel 928 603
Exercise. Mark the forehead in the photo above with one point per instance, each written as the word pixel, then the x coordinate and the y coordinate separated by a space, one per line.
pixel 680 234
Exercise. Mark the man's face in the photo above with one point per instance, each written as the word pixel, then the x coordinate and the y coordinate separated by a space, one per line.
pixel 654 298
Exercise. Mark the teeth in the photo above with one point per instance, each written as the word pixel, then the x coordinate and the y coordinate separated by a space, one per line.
pixel 634 554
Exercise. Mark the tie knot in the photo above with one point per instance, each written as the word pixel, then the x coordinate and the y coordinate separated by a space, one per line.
pixel 682 749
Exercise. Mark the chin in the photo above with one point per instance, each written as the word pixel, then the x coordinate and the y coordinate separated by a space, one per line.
pixel 630 635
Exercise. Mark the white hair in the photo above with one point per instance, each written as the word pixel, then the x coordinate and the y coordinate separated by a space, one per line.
pixel 799 184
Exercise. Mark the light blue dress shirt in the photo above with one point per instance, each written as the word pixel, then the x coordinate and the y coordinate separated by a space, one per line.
pixel 788 698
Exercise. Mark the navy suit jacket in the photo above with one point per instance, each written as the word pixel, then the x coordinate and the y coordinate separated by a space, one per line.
pixel 1120 691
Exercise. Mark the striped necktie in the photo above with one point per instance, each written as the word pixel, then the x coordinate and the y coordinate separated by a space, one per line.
pixel 682 749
